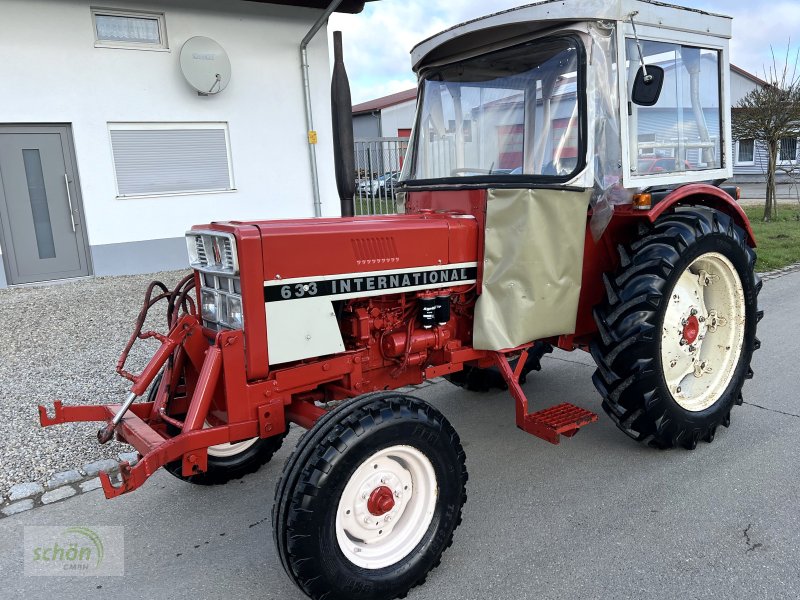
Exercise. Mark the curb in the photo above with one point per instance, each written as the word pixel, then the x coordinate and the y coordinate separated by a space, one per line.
pixel 766 276
pixel 22 497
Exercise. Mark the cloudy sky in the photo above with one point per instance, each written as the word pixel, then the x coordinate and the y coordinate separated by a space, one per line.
pixel 377 41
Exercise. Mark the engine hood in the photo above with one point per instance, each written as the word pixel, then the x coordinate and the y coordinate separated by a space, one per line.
pixel 311 247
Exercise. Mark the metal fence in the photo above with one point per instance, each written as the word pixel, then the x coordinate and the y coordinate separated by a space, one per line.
pixel 378 165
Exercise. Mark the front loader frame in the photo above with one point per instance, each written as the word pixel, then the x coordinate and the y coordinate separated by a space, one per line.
pixel 254 410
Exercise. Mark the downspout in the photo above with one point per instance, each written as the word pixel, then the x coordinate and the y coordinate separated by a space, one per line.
pixel 312 135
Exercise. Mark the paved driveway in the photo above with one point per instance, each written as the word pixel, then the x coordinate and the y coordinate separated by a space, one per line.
pixel 597 517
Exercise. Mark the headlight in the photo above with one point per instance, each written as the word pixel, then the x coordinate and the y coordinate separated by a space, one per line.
pixel 210 309
pixel 232 314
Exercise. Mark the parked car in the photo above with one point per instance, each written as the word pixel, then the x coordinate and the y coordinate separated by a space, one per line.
pixel 660 165
pixel 378 186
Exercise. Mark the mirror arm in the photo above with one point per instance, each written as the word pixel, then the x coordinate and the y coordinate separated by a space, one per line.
pixel 647 78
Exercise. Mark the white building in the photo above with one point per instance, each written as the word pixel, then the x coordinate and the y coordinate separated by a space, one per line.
pixel 107 154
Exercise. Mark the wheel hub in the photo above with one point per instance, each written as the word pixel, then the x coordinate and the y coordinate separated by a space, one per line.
pixel 691 329
pixel 381 501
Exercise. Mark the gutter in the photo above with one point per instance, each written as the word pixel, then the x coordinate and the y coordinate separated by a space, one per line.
pixel 312 134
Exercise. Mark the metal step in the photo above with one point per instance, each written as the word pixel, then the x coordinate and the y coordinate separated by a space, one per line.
pixel 563 419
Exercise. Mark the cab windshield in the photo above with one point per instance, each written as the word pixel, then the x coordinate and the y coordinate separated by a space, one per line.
pixel 509 115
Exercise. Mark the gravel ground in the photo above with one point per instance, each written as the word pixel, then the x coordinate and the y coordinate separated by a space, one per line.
pixel 61 342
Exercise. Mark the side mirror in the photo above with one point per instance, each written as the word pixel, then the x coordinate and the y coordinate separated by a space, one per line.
pixel 647 88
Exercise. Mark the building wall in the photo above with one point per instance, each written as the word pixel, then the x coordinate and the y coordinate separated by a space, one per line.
pixel 399 116
pixel 52 73
pixel 367 125
pixel 740 87
pixel 746 173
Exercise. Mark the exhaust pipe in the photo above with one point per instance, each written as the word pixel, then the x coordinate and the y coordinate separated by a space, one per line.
pixel 342 118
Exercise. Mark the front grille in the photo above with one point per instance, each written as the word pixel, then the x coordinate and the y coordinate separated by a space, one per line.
pixel 213 252
pixel 202 255
pixel 227 253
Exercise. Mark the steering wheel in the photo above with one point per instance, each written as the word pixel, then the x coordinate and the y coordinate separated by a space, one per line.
pixel 470 171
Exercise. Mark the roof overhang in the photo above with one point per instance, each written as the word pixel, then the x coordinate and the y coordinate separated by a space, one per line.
pixel 347 6
pixel 532 18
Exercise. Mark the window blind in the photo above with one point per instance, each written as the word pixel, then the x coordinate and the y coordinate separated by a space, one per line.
pixel 161 161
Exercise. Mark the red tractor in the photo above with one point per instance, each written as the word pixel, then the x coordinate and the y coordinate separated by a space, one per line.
pixel 524 226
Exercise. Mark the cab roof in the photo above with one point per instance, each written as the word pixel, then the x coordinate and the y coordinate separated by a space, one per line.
pixel 530 18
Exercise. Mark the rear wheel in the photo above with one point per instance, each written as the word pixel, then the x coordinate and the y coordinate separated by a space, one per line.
pixel 477 379
pixel 369 499
pixel 678 329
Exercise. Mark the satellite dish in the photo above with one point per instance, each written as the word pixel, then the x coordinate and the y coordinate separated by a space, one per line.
pixel 205 65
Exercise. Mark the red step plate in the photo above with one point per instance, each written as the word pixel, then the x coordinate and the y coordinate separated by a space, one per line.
pixel 563 419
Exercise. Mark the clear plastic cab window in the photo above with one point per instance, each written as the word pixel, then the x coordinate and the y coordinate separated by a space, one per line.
pixel 514 112
pixel 680 132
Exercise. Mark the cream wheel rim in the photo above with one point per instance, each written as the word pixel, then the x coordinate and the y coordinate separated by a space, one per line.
pixel 227 450
pixel 703 332
pixel 386 507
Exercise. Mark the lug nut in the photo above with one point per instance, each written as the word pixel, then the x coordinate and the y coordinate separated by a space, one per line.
pixel 692 348
pixel 694 311
pixel 683 342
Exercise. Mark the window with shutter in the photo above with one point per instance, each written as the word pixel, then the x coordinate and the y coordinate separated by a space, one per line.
pixel 171 158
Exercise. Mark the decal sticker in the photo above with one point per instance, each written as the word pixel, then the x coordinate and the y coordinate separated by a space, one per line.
pixel 369 284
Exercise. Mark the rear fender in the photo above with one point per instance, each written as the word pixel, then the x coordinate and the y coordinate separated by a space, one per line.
pixel 703 194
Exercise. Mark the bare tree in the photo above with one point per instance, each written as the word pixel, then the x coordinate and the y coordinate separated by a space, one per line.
pixel 769 114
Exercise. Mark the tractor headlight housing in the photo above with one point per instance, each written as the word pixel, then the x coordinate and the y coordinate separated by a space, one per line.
pixel 232 313
pixel 210 305
pixel 213 254
pixel 221 299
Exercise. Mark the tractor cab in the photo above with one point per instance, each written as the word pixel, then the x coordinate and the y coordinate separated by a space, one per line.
pixel 616 96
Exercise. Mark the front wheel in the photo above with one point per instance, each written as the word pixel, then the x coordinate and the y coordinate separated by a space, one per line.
pixel 369 499
pixel 678 329
pixel 225 461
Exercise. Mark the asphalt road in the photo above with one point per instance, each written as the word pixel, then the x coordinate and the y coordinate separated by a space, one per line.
pixel 596 517
pixel 754 193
